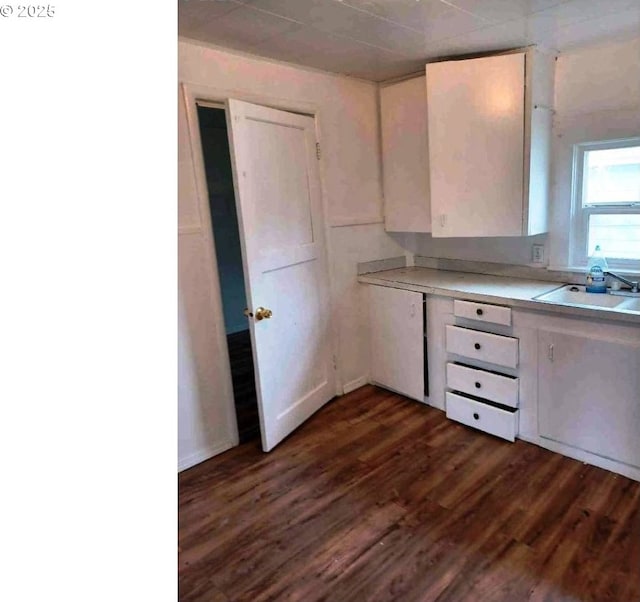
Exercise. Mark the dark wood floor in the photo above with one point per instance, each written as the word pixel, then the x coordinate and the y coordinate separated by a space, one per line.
pixel 380 498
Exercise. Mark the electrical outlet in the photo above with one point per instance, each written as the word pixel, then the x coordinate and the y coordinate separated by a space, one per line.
pixel 537 253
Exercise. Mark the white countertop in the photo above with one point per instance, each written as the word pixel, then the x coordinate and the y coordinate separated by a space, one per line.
pixel 517 292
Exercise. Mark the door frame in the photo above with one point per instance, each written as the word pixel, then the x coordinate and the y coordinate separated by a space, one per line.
pixel 194 94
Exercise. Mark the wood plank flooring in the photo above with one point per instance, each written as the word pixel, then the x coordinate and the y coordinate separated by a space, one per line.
pixel 380 498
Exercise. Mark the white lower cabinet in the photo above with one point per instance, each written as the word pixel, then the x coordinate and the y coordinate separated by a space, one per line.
pixel 396 319
pixel 483 346
pixel 569 384
pixel 482 312
pixel 500 388
pixel 483 397
pixel 501 422
pixel 589 391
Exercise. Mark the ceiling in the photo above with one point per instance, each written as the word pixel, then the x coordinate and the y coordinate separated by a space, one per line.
pixel 383 39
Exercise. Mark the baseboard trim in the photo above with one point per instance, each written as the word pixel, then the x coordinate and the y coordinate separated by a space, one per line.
pixel 355 384
pixel 204 454
pixel 626 470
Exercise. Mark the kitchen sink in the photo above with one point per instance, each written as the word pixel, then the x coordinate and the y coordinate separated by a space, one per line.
pixel 630 304
pixel 576 295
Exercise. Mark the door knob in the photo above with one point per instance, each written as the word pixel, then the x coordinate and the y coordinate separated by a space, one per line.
pixel 263 313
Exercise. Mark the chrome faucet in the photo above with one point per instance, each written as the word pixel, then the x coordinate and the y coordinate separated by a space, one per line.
pixel 630 283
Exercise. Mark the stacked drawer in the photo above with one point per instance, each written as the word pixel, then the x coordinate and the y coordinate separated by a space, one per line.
pixel 483 398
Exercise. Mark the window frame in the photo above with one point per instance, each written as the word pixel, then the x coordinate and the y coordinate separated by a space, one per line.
pixel 580 215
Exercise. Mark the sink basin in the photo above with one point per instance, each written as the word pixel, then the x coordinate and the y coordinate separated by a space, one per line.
pixel 630 304
pixel 577 295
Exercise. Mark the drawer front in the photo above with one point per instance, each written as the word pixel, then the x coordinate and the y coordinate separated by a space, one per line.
pixel 498 388
pixel 502 423
pixel 484 346
pixel 482 312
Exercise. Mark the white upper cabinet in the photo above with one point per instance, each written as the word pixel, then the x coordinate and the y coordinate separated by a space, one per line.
pixel 405 156
pixel 489 123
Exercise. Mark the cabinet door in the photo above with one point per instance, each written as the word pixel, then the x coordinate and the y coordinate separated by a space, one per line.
pixel 397 340
pixel 403 114
pixel 589 394
pixel 475 113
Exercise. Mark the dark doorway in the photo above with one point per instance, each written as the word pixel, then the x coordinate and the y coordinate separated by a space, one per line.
pixel 224 221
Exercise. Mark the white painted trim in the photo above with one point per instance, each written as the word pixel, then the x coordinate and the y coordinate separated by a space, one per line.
pixel 583 456
pixel 202 194
pixel 422 400
pixel 356 383
pixel 334 304
pixel 380 161
pixel 187 230
pixel 580 215
pixel 201 94
pixel 212 105
pixel 204 454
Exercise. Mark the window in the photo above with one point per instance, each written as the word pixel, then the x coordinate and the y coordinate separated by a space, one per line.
pixel 606 202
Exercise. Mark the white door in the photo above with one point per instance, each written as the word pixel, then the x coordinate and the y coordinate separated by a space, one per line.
pixel 397 340
pixel 283 249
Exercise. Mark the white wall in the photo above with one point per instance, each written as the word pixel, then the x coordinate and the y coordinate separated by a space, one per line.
pixel 348 125
pixel 352 245
pixel 597 97
pixel 347 119
pixel 514 250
